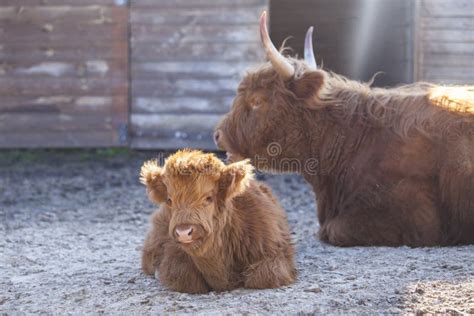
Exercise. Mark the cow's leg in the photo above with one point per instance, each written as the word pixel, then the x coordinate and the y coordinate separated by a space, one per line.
pixel 412 219
pixel 457 195
pixel 270 273
pixel 178 272
pixel 349 231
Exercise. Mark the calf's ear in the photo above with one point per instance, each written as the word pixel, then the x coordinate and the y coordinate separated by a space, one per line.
pixel 308 84
pixel 235 178
pixel 151 175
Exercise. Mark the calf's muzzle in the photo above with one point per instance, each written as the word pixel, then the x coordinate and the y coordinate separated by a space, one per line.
pixel 187 233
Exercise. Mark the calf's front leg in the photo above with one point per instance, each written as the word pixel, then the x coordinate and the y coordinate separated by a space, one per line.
pixel 178 272
pixel 270 273
pixel 153 247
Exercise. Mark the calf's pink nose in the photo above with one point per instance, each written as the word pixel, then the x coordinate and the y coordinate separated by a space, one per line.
pixel 184 233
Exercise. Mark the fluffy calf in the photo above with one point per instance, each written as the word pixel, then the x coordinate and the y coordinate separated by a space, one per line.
pixel 388 166
pixel 217 228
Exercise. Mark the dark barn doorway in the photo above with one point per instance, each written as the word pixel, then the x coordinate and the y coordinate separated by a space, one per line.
pixel 355 38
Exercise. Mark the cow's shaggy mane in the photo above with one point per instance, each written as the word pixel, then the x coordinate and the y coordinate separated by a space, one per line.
pixel 422 107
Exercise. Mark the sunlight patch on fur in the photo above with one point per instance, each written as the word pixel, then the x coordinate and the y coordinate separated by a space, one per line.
pixel 456 99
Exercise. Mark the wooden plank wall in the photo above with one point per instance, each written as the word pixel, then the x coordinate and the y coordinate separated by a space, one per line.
pixel 63 73
pixel 355 38
pixel 445 41
pixel 187 57
pixel 66 74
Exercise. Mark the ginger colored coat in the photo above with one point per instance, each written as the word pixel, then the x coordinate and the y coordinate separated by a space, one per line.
pixel 217 228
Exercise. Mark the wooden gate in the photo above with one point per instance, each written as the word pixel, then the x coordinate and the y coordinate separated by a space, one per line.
pixel 66 74
pixel 355 38
pixel 444 44
pixel 63 73
pixel 186 60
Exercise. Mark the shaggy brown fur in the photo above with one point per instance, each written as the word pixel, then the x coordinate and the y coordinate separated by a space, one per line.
pixel 243 237
pixel 394 166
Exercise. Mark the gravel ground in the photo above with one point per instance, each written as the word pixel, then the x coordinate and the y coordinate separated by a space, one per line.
pixel 73 224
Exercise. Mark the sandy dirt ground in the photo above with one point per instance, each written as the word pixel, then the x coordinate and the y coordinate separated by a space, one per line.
pixel 72 227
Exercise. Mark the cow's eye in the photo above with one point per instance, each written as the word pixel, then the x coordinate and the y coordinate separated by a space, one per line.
pixel 209 199
pixel 169 202
pixel 255 104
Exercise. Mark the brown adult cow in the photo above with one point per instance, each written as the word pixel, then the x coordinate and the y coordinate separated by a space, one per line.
pixel 394 166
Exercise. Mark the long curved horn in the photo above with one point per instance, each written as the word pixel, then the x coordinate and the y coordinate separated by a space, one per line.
pixel 308 49
pixel 281 65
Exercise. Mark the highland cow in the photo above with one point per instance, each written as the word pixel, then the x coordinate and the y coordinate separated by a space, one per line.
pixel 217 228
pixel 388 166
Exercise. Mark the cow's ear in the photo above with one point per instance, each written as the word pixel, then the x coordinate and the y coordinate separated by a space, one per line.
pixel 234 179
pixel 308 84
pixel 151 175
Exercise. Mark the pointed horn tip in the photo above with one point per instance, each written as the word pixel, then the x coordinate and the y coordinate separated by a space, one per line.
pixel 263 19
pixel 281 65
pixel 308 43
pixel 308 49
pixel 263 29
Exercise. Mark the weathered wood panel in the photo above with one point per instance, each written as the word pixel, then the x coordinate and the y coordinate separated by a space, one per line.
pixel 63 73
pixel 190 4
pixel 182 105
pixel 54 122
pixel 183 87
pixel 200 16
pixel 61 52
pixel 446 8
pixel 60 86
pixel 99 68
pixel 61 104
pixel 51 139
pixel 191 33
pixel 188 69
pixel 187 59
pixel 356 38
pixel 445 41
pixel 74 3
pixel 171 131
pixel 189 52
pixel 46 34
pixel 58 15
